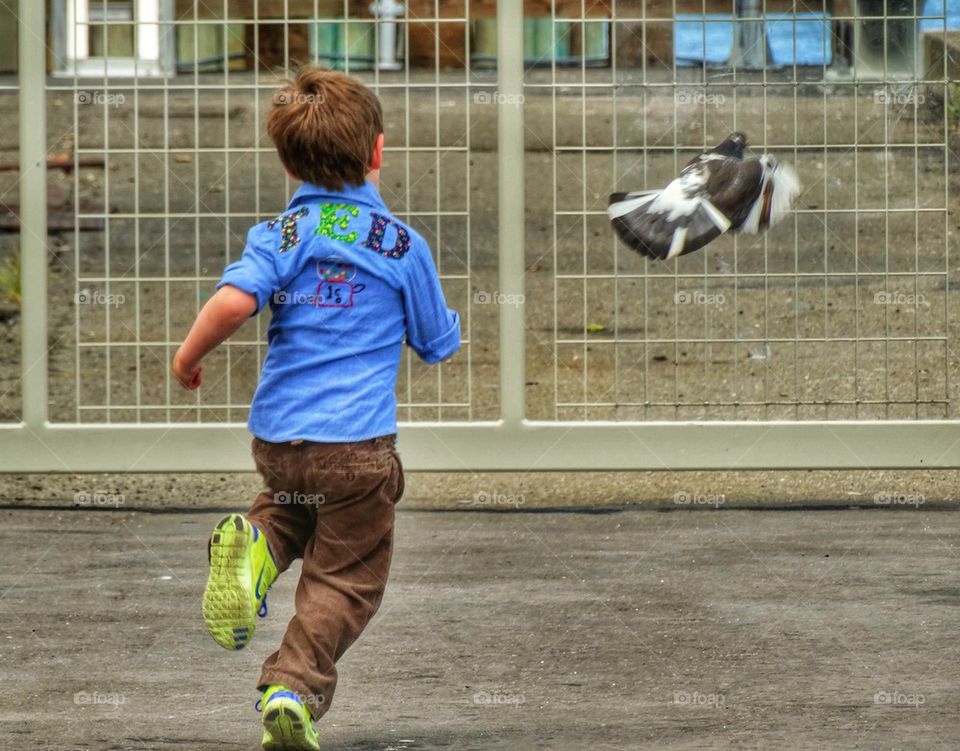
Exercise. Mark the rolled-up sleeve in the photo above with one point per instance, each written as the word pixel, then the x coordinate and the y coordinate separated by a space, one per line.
pixel 433 330
pixel 255 273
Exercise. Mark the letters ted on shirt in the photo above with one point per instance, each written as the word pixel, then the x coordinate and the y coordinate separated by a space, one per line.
pixel 347 283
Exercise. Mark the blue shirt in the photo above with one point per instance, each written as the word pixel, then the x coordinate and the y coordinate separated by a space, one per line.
pixel 346 284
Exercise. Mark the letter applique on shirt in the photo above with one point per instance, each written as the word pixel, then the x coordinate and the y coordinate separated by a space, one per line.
pixel 289 238
pixel 331 220
pixel 374 239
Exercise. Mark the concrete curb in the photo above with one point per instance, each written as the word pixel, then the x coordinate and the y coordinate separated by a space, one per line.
pixel 509 491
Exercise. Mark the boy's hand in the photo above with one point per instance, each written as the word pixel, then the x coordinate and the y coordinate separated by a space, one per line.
pixel 187 373
pixel 223 314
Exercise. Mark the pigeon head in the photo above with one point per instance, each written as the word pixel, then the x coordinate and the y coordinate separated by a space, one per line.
pixel 733 145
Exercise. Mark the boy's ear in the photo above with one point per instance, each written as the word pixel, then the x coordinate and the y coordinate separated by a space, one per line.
pixel 377 159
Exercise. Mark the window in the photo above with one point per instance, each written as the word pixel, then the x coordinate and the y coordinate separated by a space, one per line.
pixel 121 38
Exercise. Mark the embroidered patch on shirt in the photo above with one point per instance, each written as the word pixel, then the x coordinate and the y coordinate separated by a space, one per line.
pixel 289 238
pixel 336 269
pixel 337 288
pixel 374 239
pixel 337 294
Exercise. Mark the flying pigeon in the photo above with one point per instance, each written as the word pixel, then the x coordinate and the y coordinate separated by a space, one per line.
pixel 716 192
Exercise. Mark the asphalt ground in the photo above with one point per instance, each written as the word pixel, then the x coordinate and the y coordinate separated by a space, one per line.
pixel 709 628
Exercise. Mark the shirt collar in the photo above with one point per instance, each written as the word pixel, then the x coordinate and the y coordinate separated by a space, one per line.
pixel 365 193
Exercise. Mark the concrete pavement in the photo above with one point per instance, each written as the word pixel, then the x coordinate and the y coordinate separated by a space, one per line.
pixel 610 629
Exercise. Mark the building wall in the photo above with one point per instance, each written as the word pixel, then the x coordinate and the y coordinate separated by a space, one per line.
pixel 634 42
pixel 8 35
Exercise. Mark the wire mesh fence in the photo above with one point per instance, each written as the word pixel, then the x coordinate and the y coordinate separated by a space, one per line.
pixel 842 312
pixel 186 170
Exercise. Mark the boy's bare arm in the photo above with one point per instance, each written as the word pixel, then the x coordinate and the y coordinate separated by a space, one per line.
pixel 223 314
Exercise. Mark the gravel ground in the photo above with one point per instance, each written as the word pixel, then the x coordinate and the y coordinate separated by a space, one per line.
pixel 563 631
pixel 445 491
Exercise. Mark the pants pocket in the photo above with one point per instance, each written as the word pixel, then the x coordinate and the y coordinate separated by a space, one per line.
pixel 400 478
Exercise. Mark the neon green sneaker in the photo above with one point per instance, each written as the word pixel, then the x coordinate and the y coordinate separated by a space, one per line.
pixel 241 571
pixel 287 724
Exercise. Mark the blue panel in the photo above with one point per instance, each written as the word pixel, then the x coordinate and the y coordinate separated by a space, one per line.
pixel 933 15
pixel 802 38
pixel 693 32
pixel 799 38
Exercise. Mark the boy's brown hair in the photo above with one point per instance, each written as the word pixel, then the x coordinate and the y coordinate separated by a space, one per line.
pixel 325 126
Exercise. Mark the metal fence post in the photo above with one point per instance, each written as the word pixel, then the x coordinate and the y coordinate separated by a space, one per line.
pixel 510 185
pixel 33 213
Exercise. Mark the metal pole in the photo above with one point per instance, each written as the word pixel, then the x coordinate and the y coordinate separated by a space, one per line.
pixel 33 213
pixel 510 185
pixel 749 44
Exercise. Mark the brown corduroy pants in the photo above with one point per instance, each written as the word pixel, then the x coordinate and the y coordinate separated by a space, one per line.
pixel 331 504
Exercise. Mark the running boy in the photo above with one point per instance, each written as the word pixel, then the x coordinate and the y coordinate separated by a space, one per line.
pixel 347 283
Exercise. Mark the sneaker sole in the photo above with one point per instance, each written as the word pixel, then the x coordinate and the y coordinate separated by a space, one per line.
pixel 227 608
pixel 285 730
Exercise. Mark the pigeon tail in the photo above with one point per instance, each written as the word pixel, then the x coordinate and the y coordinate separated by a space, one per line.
pixel 778 190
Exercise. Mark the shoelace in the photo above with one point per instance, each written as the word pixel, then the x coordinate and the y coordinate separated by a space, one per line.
pixel 258 706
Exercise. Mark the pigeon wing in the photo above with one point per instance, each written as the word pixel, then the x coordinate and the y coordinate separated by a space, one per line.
pixel 679 219
pixel 734 186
